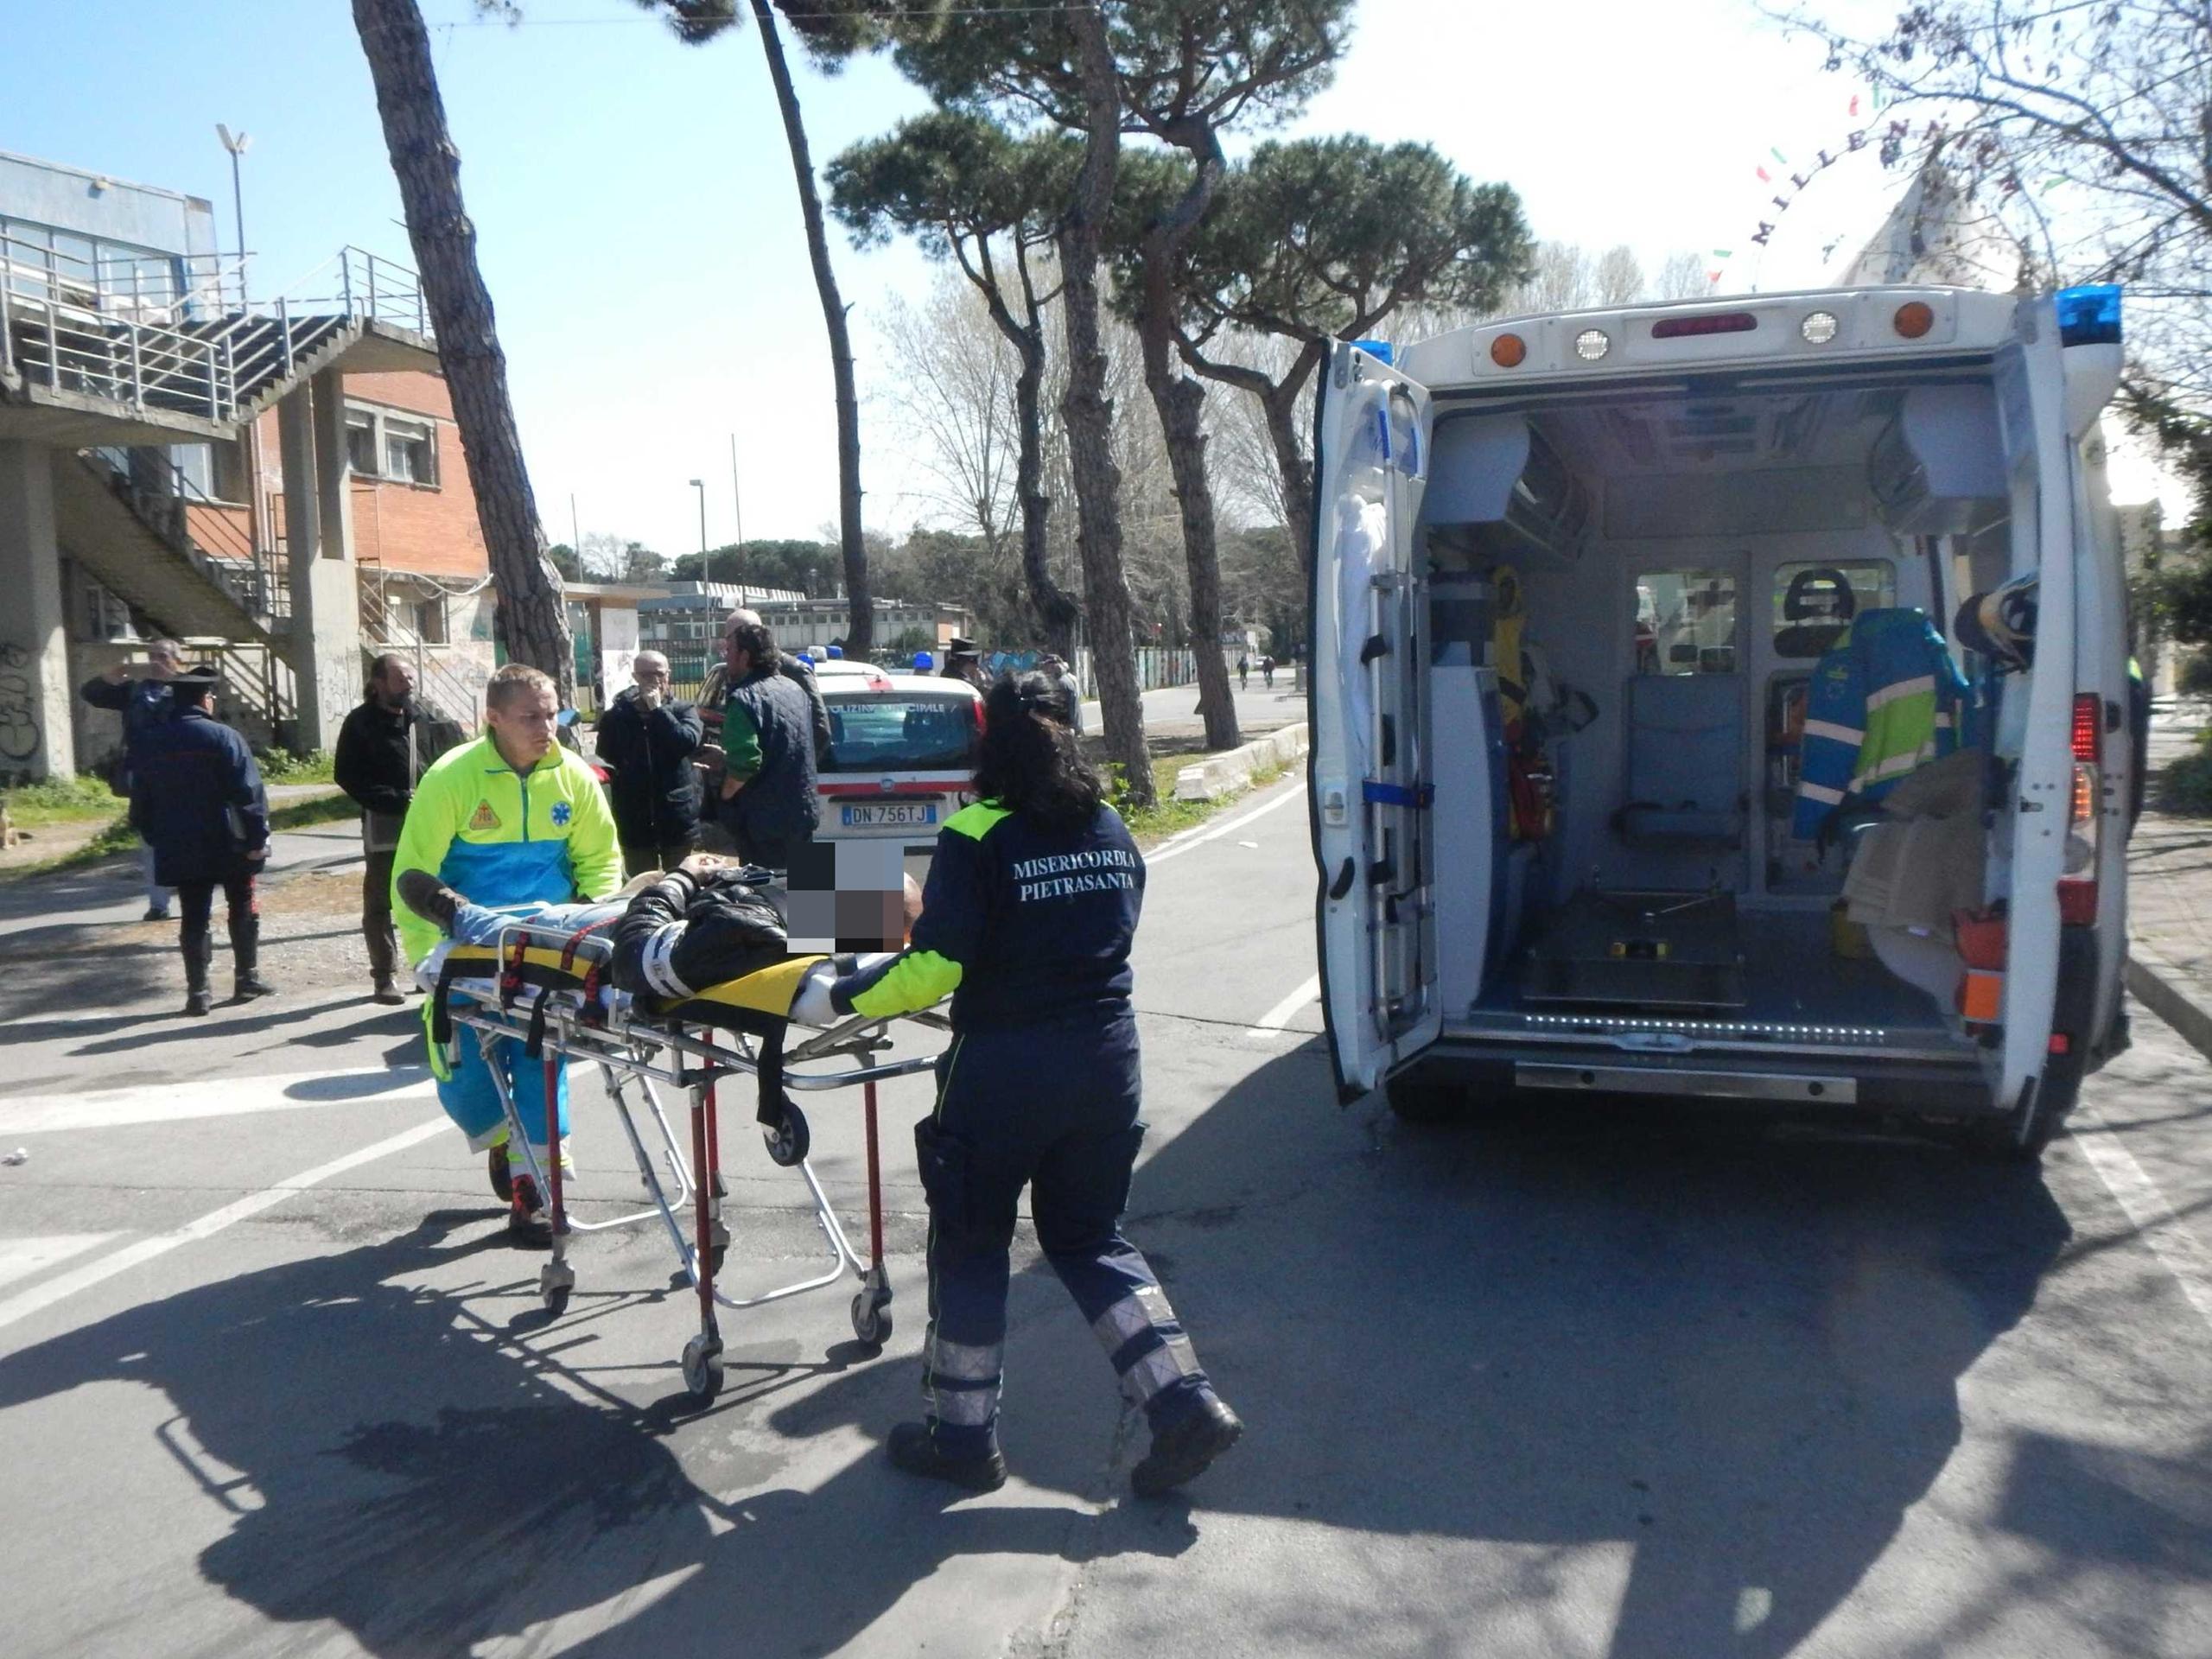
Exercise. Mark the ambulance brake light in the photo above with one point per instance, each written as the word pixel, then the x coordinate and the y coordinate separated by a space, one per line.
pixel 2088 726
pixel 1712 323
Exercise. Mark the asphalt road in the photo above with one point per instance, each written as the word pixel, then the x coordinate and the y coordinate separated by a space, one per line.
pixel 1625 1381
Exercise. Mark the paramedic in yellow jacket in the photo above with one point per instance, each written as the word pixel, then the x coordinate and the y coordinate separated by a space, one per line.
pixel 511 818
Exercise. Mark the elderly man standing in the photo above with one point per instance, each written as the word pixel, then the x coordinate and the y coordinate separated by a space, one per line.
pixel 647 740
pixel 144 705
pixel 381 757
pixel 509 819
pixel 769 722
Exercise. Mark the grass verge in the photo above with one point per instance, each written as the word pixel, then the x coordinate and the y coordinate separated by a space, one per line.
pixel 1170 817
pixel 321 809
pixel 60 800
pixel 117 838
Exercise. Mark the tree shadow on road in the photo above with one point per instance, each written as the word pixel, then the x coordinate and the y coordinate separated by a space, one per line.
pixel 396 1464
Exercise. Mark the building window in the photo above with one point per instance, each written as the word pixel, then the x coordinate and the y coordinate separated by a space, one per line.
pixel 361 443
pixel 429 618
pixel 382 444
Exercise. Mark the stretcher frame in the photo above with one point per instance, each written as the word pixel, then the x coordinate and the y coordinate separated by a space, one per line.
pixel 634 1042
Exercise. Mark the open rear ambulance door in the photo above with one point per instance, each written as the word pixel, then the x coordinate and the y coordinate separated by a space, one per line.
pixel 1369 770
pixel 2037 717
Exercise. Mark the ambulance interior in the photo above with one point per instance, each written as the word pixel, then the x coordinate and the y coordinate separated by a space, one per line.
pixel 1629 600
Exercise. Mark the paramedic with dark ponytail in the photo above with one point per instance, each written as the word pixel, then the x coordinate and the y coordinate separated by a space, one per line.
pixel 1026 920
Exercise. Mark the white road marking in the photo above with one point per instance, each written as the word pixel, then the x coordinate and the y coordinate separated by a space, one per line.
pixel 63 1286
pixel 192 1098
pixel 21 1257
pixel 1177 846
pixel 1280 1015
pixel 2139 1198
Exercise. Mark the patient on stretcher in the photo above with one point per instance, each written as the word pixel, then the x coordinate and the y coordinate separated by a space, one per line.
pixel 707 923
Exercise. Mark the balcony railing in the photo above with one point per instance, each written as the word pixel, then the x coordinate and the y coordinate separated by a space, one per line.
pixel 185 341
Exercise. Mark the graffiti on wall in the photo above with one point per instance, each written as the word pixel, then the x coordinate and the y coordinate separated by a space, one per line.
pixel 19 733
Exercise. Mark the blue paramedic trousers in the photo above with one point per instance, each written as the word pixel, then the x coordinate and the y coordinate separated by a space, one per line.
pixel 472 1099
pixel 1052 1108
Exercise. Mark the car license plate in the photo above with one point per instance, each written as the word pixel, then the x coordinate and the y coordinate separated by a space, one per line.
pixel 884 815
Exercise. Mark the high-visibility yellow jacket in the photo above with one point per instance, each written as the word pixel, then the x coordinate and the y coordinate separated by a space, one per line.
pixel 498 837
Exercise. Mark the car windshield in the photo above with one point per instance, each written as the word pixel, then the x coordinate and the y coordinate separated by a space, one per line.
pixel 901 733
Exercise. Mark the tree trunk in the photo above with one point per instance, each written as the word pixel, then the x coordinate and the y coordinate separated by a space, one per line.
pixel 1182 403
pixel 532 619
pixel 1089 415
pixel 1281 405
pixel 859 634
pixel 1056 611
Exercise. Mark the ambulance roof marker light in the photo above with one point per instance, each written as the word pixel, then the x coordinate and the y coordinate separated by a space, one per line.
pixel 1508 351
pixel 1591 344
pixel 1913 318
pixel 1819 327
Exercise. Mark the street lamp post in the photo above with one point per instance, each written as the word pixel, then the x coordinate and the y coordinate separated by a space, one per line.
pixel 237 145
pixel 706 574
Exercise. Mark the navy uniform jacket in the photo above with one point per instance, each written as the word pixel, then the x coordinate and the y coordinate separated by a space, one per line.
pixel 1020 925
pixel 197 798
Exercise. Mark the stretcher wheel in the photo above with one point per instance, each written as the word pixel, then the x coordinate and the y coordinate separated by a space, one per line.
pixel 701 1376
pixel 788 1145
pixel 872 1317
pixel 555 1282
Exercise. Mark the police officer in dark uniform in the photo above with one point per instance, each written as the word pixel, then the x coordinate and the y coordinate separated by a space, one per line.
pixel 1026 920
pixel 200 803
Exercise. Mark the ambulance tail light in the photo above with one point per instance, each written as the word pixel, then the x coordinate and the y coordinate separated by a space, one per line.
pixel 2078 881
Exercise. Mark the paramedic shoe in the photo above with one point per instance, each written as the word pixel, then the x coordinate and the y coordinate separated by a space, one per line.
pixel 914 1449
pixel 529 1227
pixel 1182 1451
pixel 197 1002
pixel 249 985
pixel 391 996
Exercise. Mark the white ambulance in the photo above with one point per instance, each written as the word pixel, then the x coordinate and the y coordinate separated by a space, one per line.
pixel 1590 588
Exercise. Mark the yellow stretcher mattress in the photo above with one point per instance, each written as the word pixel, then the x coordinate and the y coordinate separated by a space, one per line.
pixel 768 990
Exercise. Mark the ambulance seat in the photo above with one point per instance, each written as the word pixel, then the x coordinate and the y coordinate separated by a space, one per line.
pixel 1684 761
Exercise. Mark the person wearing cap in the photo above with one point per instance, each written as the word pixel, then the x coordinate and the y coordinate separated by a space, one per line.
pixel 1054 667
pixel 647 740
pixel 1026 923
pixel 198 802
pixel 143 704
pixel 963 660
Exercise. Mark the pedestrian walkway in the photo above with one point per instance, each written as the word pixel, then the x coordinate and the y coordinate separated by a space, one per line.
pixel 2170 894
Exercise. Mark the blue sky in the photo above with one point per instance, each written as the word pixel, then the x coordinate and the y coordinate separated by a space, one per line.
pixel 640 234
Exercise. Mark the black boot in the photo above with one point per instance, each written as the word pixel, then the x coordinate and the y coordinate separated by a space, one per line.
pixel 914 1449
pixel 1181 1451
pixel 245 958
pixel 199 948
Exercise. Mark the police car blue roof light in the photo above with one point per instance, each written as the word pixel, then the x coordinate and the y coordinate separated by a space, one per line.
pixel 2089 315
pixel 924 662
pixel 836 652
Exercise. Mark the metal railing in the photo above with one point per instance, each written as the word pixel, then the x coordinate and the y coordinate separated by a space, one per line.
pixel 188 344
pixel 213 536
pixel 437 685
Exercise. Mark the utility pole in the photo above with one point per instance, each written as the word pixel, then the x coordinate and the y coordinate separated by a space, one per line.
pixel 237 145
pixel 575 535
pixel 737 506
pixel 706 571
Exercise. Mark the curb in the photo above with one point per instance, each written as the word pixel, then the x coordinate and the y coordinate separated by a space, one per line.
pixel 1216 775
pixel 2167 992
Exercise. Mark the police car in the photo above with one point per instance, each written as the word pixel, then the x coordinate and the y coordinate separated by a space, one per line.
pixel 902 752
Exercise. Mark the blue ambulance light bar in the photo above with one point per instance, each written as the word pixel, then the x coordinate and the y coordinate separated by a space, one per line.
pixel 1377 349
pixel 2089 315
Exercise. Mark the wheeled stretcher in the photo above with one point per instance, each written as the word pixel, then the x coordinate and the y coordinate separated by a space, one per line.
pixel 548 990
